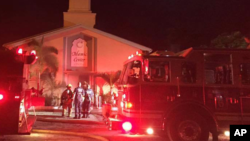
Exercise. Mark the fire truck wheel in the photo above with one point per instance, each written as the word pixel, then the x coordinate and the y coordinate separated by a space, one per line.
pixel 188 127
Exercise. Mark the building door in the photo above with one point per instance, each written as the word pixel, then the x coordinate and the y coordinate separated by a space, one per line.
pixel 83 78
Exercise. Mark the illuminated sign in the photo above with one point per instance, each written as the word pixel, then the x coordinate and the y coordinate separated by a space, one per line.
pixel 79 53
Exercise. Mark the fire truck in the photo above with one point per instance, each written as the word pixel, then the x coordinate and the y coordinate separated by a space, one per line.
pixel 14 118
pixel 184 95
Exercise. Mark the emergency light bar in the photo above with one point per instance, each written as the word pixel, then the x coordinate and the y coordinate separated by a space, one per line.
pixel 26 58
pixel 33 52
pixel 20 51
pixel 136 54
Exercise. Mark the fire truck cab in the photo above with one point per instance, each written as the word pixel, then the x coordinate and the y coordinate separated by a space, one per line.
pixel 186 95
pixel 14 118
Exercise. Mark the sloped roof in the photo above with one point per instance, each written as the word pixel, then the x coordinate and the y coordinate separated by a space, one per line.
pixel 80 26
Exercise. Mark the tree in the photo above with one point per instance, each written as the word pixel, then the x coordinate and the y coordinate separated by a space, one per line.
pixel 229 40
pixel 111 78
pixel 46 66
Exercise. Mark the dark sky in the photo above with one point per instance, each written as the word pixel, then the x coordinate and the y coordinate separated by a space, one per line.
pixel 153 23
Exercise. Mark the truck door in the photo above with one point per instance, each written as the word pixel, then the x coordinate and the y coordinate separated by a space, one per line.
pixel 221 93
pixel 156 89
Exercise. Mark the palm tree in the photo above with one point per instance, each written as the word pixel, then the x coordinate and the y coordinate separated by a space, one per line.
pixel 111 78
pixel 46 66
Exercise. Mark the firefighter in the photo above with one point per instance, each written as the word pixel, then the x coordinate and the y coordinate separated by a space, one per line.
pixel 78 100
pixel 66 100
pixel 87 100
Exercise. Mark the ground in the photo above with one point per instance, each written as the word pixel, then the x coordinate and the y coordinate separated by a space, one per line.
pixel 50 126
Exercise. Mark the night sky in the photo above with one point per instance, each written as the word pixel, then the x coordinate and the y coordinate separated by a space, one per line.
pixel 154 23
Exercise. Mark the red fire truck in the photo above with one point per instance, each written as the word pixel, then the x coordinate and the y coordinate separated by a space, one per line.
pixel 14 118
pixel 186 95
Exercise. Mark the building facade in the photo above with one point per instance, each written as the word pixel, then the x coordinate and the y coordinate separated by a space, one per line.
pixel 83 51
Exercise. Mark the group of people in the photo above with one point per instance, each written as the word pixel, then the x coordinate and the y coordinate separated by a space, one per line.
pixel 81 98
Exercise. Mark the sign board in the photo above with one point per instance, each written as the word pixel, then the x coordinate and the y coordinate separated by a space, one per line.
pixel 79 53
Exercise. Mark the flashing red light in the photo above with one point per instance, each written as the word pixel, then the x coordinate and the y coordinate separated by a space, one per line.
pixel 1 96
pixel 33 52
pixel 20 51
pixel 127 126
pixel 129 105
pixel 150 131
pixel 17 97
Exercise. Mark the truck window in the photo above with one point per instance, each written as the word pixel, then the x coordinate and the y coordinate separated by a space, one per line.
pixel 158 71
pixel 218 68
pixel 245 73
pixel 122 73
pixel 132 72
pixel 188 73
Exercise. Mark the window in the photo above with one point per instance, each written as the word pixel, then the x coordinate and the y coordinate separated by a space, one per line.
pixel 157 71
pixel 188 73
pixel 132 72
pixel 218 68
pixel 245 73
pixel 122 73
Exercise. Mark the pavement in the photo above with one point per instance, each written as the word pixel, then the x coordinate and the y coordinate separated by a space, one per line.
pixel 53 115
pixel 50 125
pixel 45 135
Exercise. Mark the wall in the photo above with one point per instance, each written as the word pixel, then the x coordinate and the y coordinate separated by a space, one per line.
pixel 110 53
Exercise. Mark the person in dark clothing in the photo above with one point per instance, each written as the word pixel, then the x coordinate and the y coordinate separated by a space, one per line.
pixel 87 100
pixel 66 100
pixel 78 98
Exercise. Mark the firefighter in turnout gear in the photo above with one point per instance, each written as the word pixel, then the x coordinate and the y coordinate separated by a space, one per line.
pixel 66 100
pixel 87 100
pixel 78 100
